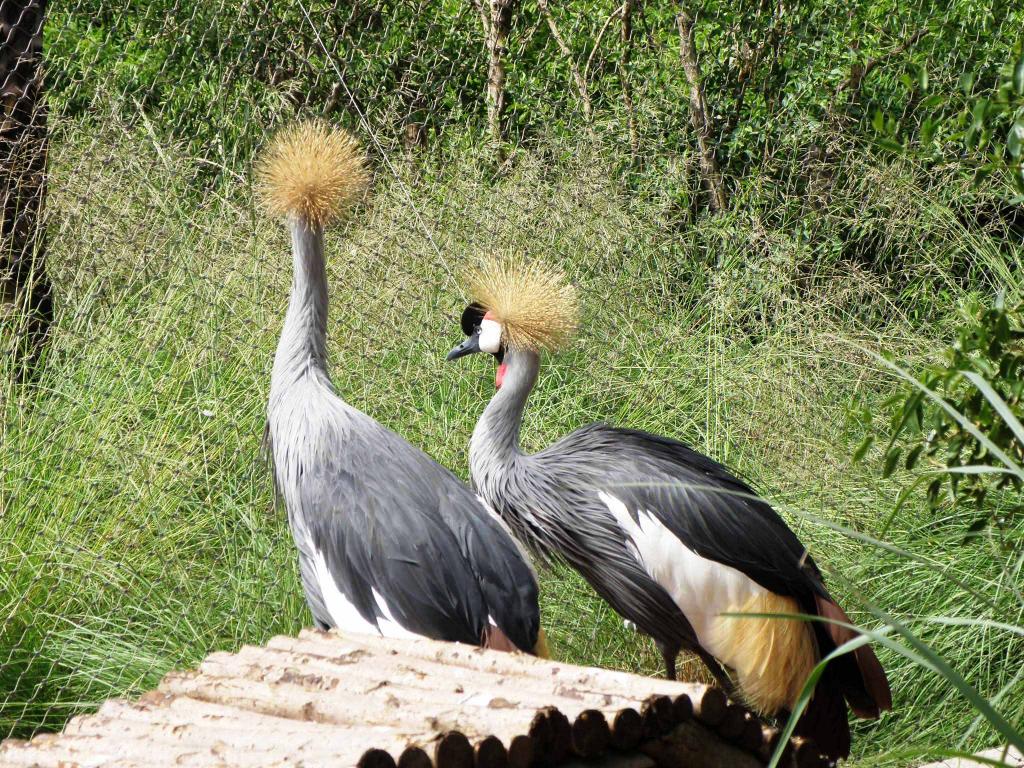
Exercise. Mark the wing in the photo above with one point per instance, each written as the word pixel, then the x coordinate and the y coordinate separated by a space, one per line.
pixel 713 512
pixel 561 521
pixel 505 577
pixel 409 548
pixel 718 517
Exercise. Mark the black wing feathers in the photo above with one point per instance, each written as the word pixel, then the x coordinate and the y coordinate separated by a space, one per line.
pixel 713 512
pixel 402 526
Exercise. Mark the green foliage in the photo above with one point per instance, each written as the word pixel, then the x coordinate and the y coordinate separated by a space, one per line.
pixel 137 521
pixel 997 126
pixel 139 528
pixel 776 82
pixel 964 415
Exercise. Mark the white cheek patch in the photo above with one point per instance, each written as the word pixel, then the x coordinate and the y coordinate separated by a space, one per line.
pixel 490 336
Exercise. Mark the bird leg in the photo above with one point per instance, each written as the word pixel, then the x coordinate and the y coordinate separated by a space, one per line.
pixel 669 655
pixel 724 681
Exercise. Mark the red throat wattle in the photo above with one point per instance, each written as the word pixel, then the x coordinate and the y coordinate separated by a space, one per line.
pixel 499 375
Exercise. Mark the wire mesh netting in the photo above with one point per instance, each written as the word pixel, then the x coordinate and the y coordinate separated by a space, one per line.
pixel 723 182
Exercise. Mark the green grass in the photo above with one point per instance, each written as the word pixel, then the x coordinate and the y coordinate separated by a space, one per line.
pixel 138 524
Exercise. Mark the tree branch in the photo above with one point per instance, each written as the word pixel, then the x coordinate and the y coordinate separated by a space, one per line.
pixel 581 83
pixel 626 38
pixel 699 114
pixel 597 41
pixel 484 20
pixel 498 24
pixel 858 72
pixel 751 61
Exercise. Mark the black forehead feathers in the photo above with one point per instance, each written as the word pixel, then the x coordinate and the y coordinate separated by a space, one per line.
pixel 471 318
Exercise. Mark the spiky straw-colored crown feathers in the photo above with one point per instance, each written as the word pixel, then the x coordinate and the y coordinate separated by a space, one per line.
pixel 313 171
pixel 536 305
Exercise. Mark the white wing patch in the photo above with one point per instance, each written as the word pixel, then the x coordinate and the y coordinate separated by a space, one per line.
pixel 701 588
pixel 389 626
pixel 343 611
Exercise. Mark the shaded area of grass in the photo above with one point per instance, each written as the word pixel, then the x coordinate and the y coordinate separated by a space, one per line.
pixel 138 525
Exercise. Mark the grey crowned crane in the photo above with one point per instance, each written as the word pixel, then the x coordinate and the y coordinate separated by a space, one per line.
pixel 667 536
pixel 389 541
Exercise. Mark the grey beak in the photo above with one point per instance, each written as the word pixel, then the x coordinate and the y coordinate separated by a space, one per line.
pixel 470 345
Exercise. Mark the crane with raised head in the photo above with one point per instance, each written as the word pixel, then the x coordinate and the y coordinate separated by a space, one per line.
pixel 672 540
pixel 389 541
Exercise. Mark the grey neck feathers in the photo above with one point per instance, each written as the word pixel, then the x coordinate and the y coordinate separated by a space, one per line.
pixel 495 442
pixel 302 350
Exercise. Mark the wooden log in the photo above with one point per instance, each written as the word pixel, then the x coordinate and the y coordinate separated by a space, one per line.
pixel 769 741
pixel 471 686
pixel 568 677
pixel 614 760
pixel 692 743
pixel 627 729
pixel 453 750
pixel 521 751
pixel 242 742
pixel 752 734
pixel 557 737
pixel 33 757
pixel 414 757
pixel 65 752
pixel 345 700
pixel 807 755
pixel 489 752
pixel 289 701
pixel 682 708
pixel 732 723
pixel 376 758
pixel 385 706
pixel 658 716
pixel 1011 756
pixel 709 708
pixel 590 734
pixel 541 734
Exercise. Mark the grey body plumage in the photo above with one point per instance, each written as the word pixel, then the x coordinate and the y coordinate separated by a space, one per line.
pixel 388 540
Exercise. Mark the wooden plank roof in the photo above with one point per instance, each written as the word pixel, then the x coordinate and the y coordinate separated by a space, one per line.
pixel 332 699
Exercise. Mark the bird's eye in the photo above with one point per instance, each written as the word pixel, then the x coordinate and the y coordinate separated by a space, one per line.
pixel 471 317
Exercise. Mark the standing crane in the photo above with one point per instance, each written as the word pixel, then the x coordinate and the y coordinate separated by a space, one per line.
pixel 667 536
pixel 389 541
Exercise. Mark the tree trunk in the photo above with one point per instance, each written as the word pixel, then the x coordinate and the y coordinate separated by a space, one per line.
pixel 25 293
pixel 497 24
pixel 699 114
pixel 626 38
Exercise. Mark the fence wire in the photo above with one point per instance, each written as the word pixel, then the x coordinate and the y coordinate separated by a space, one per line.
pixel 689 167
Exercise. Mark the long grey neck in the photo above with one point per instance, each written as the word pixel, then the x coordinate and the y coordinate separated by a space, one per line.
pixel 495 442
pixel 302 350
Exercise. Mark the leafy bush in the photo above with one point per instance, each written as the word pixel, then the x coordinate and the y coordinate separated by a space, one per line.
pixel 964 414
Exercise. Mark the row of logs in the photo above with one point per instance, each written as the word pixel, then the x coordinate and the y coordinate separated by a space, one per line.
pixel 553 740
